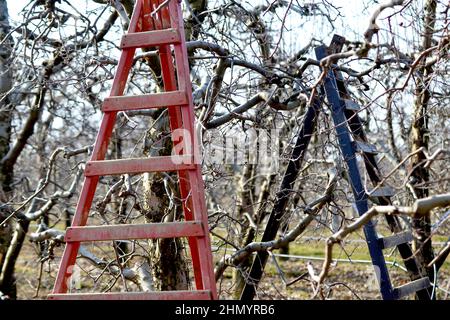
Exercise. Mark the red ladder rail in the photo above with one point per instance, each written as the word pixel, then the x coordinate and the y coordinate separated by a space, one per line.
pixel 164 29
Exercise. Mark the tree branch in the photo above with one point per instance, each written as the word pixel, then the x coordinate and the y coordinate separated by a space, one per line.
pixel 420 207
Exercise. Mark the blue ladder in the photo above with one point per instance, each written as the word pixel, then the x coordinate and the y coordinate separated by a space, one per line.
pixel 352 140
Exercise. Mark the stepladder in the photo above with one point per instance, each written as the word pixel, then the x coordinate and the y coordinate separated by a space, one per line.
pixel 155 24
pixel 359 156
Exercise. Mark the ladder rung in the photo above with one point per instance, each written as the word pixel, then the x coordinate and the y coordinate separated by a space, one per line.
pixel 350 105
pixel 395 240
pixel 365 147
pixel 382 192
pixel 139 165
pixel 412 287
pixel 157 100
pixel 135 231
pixel 162 295
pixel 150 38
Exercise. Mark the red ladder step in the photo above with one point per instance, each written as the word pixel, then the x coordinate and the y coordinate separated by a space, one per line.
pixel 150 38
pixel 162 295
pixel 135 231
pixel 139 165
pixel 146 101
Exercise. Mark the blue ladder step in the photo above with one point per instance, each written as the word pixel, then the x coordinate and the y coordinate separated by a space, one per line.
pixel 395 240
pixel 380 193
pixel 411 287
pixel 365 147
pixel 351 105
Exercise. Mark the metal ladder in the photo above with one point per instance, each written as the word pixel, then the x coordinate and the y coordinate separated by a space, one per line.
pixel 352 140
pixel 154 23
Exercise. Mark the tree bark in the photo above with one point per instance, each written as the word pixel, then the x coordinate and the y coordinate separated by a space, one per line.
pixel 419 138
pixel 194 20
pixel 247 188
pixel 5 127
pixel 5 87
pixel 169 266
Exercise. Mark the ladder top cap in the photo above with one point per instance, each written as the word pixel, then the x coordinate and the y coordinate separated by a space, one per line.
pixel 338 38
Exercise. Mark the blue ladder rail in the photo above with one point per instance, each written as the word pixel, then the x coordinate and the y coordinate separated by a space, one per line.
pixel 352 140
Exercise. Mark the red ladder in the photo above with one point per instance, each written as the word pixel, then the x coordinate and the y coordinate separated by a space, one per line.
pixel 154 23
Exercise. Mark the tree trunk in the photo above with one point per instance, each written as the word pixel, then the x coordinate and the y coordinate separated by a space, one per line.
pixel 5 130
pixel 117 205
pixel 5 87
pixel 246 192
pixel 169 266
pixel 419 138
pixel 194 21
